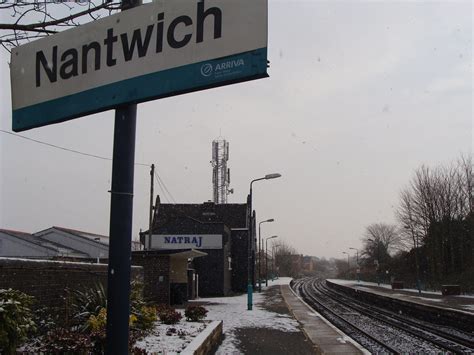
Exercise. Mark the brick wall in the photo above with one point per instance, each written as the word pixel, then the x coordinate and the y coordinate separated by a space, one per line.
pixel 156 275
pixel 239 260
pixel 47 280
pixel 210 269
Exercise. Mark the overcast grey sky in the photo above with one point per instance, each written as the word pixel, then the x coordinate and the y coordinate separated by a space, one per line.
pixel 360 94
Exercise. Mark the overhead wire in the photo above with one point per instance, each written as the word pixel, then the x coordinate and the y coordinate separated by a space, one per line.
pixel 63 148
pixel 164 189
pixel 159 180
pixel 164 185
pixel 165 196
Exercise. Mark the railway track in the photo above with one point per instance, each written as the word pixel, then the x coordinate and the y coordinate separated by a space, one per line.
pixel 379 330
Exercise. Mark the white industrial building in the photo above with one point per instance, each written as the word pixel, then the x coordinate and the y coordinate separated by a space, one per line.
pixel 55 243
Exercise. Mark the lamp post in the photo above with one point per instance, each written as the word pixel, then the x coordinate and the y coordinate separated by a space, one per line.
pixel 358 267
pixel 417 264
pixel 251 239
pixel 260 253
pixel 274 249
pixel 348 264
pixel 266 258
pixel 378 259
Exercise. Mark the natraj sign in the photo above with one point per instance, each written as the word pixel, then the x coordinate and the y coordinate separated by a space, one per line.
pixel 156 50
pixel 188 241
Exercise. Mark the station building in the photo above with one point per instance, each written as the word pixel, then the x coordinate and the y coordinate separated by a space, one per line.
pixel 215 238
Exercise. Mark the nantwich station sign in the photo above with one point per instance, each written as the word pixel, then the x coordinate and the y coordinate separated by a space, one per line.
pixel 152 51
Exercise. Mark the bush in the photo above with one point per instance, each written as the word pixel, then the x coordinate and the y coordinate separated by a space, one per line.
pixel 63 340
pixel 16 319
pixel 195 313
pixel 169 316
pixel 146 317
pixel 86 303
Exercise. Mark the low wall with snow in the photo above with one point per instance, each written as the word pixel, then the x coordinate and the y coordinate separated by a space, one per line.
pixel 47 280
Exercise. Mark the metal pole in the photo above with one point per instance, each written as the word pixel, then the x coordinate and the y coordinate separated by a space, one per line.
pixel 378 265
pixel 249 252
pixel 273 262
pixel 358 266
pixel 417 260
pixel 121 212
pixel 150 221
pixel 118 290
pixel 266 262
pixel 259 258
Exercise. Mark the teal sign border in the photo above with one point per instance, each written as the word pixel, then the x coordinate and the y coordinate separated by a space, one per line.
pixel 188 78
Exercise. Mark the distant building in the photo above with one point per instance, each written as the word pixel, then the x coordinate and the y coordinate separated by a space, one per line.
pixel 56 243
pixel 308 265
pixel 24 245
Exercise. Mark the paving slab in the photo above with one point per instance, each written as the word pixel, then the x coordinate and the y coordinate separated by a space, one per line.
pixel 327 338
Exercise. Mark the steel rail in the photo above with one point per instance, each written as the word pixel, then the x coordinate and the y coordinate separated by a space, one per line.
pixel 355 331
pixel 446 341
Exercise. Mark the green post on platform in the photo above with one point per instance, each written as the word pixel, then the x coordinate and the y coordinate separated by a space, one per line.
pixel 249 297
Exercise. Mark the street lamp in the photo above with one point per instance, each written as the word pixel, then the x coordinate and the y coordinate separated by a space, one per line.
pixel 417 264
pixel 260 253
pixel 358 267
pixel 251 238
pixel 348 265
pixel 377 244
pixel 274 249
pixel 266 258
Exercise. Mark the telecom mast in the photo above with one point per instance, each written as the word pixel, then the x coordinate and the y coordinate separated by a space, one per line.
pixel 220 172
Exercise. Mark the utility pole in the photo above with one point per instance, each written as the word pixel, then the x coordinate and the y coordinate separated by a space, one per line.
pixel 152 175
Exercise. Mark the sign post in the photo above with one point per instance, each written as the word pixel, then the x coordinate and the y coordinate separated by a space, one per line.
pixel 121 213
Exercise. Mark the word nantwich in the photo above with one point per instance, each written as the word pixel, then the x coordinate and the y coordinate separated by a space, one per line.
pixel 74 63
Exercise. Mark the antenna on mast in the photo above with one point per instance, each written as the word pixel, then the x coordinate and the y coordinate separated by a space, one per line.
pixel 220 172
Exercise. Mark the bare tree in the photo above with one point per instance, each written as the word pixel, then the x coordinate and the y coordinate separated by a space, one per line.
pixel 26 20
pixel 380 241
pixel 434 209
pixel 289 261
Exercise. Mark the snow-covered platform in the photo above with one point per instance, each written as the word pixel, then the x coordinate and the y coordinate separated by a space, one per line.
pixel 326 337
pixel 462 303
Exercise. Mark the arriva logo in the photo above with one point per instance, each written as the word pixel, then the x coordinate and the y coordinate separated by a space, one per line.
pixel 207 69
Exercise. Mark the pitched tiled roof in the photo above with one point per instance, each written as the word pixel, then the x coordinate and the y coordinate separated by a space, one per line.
pixel 233 215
